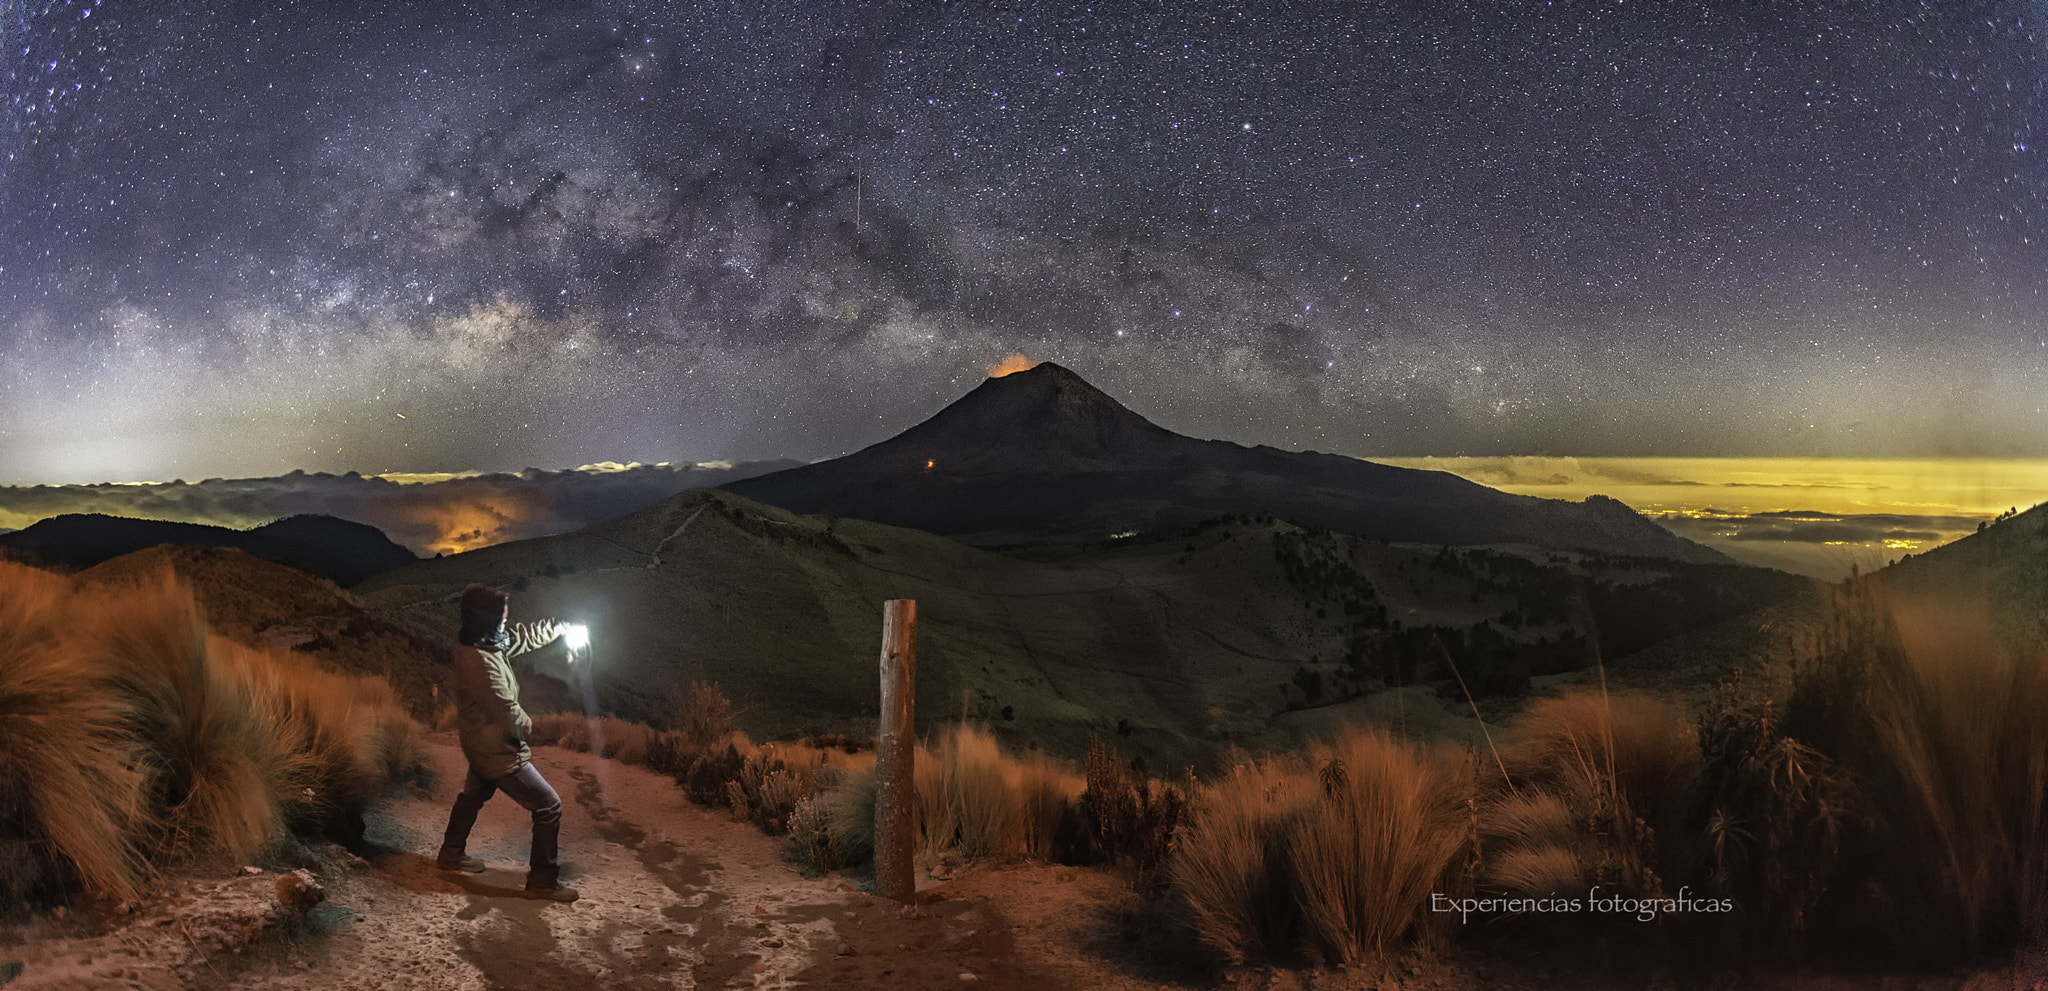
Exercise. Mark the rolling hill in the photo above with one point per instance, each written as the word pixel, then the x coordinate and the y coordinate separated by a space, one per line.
pixel 1245 631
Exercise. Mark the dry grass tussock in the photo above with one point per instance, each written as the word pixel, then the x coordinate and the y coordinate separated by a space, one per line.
pixel 1594 786
pixel 1337 852
pixel 129 735
pixel 981 803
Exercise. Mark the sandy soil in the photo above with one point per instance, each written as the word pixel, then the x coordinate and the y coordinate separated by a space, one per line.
pixel 675 896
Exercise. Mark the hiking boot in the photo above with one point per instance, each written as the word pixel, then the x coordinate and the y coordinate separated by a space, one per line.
pixel 552 893
pixel 467 864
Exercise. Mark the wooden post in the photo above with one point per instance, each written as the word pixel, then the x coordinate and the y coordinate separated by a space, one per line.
pixel 896 753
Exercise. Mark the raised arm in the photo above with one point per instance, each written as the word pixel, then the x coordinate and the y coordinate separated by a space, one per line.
pixel 522 637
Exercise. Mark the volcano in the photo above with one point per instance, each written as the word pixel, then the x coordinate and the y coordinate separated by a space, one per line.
pixel 1042 456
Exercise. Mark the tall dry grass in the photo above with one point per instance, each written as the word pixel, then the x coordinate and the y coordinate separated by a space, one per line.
pixel 1337 852
pixel 1593 789
pixel 975 800
pixel 132 736
pixel 73 792
pixel 1951 743
pixel 1383 835
pixel 1232 862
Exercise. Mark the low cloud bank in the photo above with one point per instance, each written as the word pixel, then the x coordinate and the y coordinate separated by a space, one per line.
pixel 428 514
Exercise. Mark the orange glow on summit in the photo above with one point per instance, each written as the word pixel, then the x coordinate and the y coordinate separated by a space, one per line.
pixel 1012 364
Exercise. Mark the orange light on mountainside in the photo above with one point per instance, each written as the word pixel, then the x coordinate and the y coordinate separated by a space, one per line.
pixel 1013 363
pixel 465 525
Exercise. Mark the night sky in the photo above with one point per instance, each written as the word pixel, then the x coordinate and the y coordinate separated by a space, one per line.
pixel 436 236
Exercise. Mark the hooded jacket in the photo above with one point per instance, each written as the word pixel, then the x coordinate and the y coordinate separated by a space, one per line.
pixel 492 725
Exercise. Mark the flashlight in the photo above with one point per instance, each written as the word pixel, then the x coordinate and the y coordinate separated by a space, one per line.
pixel 576 636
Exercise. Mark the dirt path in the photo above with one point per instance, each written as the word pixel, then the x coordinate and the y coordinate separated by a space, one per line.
pixel 673 896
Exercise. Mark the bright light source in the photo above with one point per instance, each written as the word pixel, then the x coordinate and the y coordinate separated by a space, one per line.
pixel 576 635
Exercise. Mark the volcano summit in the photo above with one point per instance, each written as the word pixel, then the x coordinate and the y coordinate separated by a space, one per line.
pixel 1041 456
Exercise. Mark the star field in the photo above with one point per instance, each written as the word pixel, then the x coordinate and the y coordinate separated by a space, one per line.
pixel 428 237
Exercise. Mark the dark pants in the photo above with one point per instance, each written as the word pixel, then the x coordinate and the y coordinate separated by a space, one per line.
pixel 533 793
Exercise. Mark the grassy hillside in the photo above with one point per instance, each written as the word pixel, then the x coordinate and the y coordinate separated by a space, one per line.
pixel 1244 632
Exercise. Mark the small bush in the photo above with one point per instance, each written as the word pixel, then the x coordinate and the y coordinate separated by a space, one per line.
pixel 704 716
pixel 1134 821
pixel 1338 854
pixel 74 807
pixel 1768 815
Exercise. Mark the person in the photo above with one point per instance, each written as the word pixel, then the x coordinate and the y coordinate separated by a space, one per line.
pixel 493 729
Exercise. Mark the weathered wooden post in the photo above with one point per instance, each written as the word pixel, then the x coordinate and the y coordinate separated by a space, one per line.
pixel 896 754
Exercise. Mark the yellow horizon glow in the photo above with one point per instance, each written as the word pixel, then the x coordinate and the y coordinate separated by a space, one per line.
pixel 1714 500
pixel 1693 486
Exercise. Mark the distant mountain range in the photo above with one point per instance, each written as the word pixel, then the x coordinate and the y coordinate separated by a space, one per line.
pixel 1043 456
pixel 335 549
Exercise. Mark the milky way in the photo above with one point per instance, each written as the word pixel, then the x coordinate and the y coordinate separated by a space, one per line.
pixel 437 236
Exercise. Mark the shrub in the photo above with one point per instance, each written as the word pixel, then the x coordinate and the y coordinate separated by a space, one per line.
pixel 1338 853
pixel 848 804
pixel 704 715
pixel 1134 822
pixel 974 799
pixel 1767 814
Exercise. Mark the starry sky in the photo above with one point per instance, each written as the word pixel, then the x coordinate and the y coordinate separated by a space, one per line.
pixel 239 239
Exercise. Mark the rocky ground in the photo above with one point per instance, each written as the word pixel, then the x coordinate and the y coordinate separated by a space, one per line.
pixel 675 896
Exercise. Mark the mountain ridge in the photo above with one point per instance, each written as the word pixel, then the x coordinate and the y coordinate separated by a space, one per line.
pixel 339 550
pixel 1041 455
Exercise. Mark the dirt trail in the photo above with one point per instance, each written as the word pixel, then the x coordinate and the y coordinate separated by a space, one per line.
pixel 673 896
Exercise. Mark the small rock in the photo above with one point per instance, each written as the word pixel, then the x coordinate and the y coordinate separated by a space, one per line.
pixel 966 976
pixel 846 951
pixel 758 910
pixel 299 892
pixel 771 943
pixel 59 912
